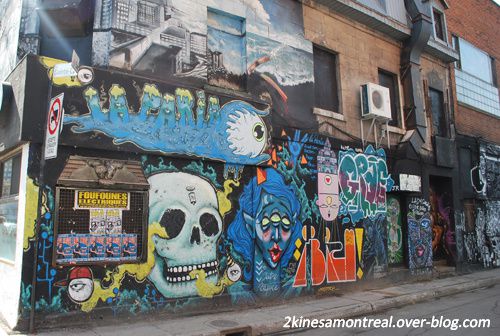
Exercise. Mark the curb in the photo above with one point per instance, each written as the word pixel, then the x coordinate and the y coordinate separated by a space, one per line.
pixel 353 308
pixel 378 306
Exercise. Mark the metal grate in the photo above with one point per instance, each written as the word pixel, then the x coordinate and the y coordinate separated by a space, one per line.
pixel 74 225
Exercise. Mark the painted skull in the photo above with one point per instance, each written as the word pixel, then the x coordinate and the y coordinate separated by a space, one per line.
pixel 187 207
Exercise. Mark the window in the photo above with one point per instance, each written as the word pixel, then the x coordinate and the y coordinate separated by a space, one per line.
pixel 475 78
pixel 148 13
pixel 437 108
pixel 226 50
pixel 390 81
pixel 474 61
pixel 325 80
pixel 10 170
pixel 439 25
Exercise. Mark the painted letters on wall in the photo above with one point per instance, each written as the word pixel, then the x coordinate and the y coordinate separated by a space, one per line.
pixel 163 119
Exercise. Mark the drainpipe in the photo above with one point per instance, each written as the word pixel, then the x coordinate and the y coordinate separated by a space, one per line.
pixel 420 13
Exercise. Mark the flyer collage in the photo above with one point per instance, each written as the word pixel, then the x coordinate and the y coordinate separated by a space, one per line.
pixel 106 240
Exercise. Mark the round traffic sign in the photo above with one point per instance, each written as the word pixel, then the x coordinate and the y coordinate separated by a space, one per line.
pixel 54 116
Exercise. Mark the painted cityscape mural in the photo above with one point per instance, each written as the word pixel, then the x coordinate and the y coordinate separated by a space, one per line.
pixel 248 46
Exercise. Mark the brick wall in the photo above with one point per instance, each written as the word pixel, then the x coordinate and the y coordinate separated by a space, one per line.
pixel 477 21
pixel 361 52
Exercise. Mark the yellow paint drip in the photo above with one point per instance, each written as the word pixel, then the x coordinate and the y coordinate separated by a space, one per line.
pixel 90 92
pixel 49 63
pixel 151 90
pixel 184 93
pixel 139 271
pixel 116 90
pixel 222 196
pixel 169 97
pixel 30 214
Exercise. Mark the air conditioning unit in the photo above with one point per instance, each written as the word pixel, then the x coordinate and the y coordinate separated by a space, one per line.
pixel 375 102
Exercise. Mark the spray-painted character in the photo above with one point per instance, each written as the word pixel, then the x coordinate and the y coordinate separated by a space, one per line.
pixel 264 231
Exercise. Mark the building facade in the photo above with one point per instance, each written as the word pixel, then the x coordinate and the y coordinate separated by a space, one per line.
pixel 212 153
pixel 477 113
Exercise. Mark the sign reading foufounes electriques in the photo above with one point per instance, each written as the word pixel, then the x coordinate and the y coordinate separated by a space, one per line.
pixel 87 199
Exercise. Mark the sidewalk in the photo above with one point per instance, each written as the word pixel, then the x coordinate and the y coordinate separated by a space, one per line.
pixel 271 319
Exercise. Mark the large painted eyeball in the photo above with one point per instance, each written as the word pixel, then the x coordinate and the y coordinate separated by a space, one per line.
pixel 259 131
pixel 234 272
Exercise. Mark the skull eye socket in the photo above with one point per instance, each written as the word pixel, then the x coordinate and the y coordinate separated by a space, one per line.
pixel 173 221
pixel 209 224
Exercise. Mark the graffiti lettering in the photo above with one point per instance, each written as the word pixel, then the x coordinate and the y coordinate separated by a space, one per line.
pixel 235 133
pixel 364 181
pixel 328 265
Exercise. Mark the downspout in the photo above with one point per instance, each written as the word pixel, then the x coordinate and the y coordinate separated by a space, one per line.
pixel 414 113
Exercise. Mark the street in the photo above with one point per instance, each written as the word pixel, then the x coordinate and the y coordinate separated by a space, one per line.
pixel 481 304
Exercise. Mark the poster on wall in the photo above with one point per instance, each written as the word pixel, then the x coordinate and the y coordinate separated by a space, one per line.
pixel 97 222
pixel 64 248
pixel 113 221
pixel 105 209
pixel 80 247
pixel 96 247
pixel 113 248
pixel 129 247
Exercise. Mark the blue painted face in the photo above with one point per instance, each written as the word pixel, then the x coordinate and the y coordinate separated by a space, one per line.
pixel 272 228
pixel 420 234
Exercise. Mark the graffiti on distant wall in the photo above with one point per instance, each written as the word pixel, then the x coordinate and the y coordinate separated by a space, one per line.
pixel 443 233
pixel 184 122
pixel 394 231
pixel 483 244
pixel 419 234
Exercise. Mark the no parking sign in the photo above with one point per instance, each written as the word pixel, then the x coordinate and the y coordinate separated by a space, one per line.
pixel 53 126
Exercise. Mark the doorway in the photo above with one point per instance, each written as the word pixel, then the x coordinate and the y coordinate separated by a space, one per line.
pixel 442 219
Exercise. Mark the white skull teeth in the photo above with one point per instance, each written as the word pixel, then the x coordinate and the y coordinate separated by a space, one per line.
pixel 181 273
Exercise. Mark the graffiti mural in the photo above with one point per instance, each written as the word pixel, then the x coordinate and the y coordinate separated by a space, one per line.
pixel 394 231
pixel 364 182
pixel 419 234
pixel 443 224
pixel 328 190
pixel 264 232
pixel 159 38
pixel 193 224
pixel 215 236
pixel 235 133
pixel 246 46
pixel 375 245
